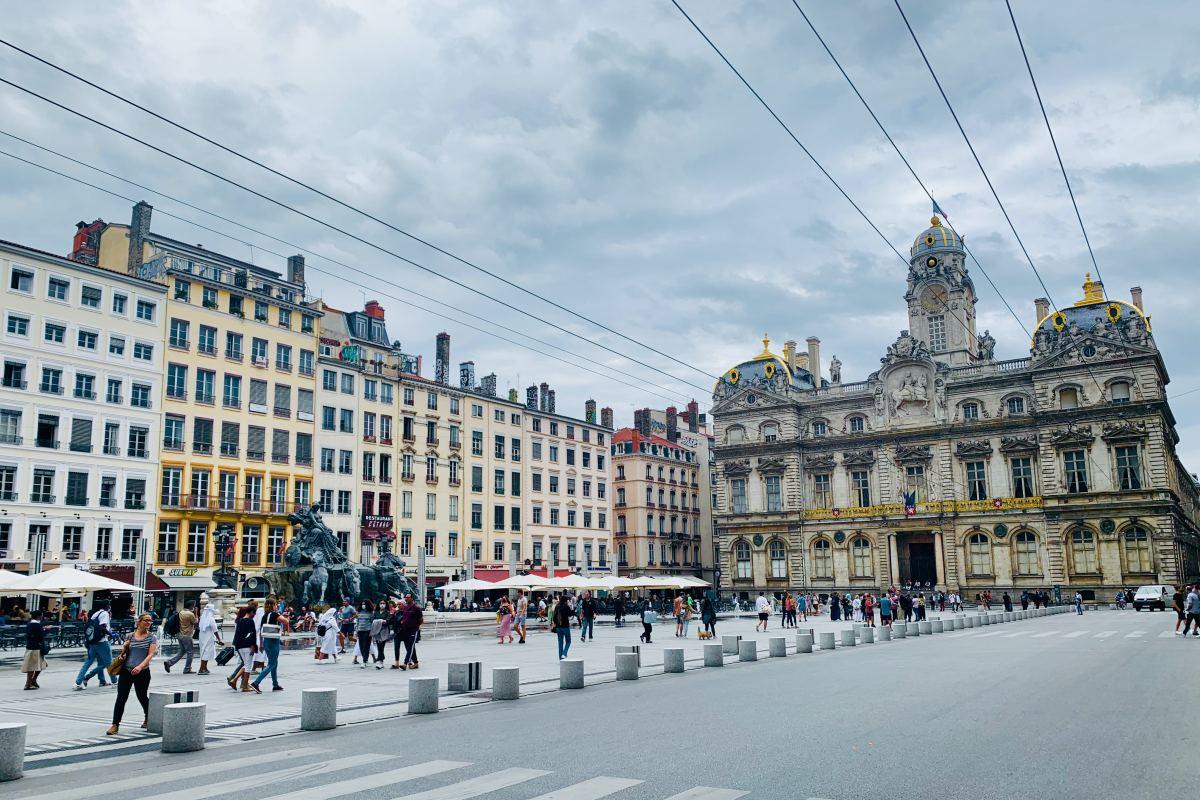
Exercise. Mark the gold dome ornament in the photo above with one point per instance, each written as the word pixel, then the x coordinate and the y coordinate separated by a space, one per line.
pixel 769 369
pixel 1059 321
pixel 931 262
pixel 1113 312
pixel 734 376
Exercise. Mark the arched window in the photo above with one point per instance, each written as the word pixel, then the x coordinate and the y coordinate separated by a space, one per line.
pixel 822 559
pixel 1028 562
pixel 1016 405
pixel 621 496
pixel 860 549
pixel 979 554
pixel 735 435
pixel 857 424
pixel 770 432
pixel 778 559
pixel 741 555
pixel 1083 550
pixel 1137 550
pixel 970 411
pixel 1118 391
pixel 819 428
pixel 1068 397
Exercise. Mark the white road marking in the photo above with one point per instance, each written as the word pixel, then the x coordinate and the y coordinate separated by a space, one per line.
pixel 990 633
pixel 1015 634
pixel 1044 634
pixel 1135 634
pixel 302 769
pixel 474 787
pixel 708 793
pixel 591 789
pixel 1104 634
pixel 1075 634
pixel 373 781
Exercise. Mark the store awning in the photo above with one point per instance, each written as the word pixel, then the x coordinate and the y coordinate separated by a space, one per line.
pixel 125 574
pixel 187 579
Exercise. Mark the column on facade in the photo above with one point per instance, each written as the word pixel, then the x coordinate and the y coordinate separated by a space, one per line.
pixel 940 558
pixel 893 559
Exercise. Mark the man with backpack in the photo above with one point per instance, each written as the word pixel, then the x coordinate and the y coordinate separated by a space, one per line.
pixel 95 636
pixel 182 625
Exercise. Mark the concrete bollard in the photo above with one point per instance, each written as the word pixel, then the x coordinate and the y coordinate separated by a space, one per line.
pixel 318 709
pixel 570 673
pixel 925 626
pixel 748 650
pixel 1010 616
pixel 423 695
pixel 12 750
pixel 627 666
pixel 971 622
pixel 868 635
pixel 913 628
pixel 183 728
pixel 673 659
pixel 984 619
pixel 938 626
pixel 714 655
pixel 160 699
pixel 729 645
pixel 778 646
pixel 804 642
pixel 885 633
pixel 900 630
pixel 506 683
pixel 848 638
pixel 827 638
pixel 464 676
pixel 636 649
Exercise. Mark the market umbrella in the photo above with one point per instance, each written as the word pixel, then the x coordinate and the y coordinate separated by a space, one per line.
pixel 569 582
pixel 520 582
pixel 653 582
pixel 689 582
pixel 63 581
pixel 469 585
pixel 11 581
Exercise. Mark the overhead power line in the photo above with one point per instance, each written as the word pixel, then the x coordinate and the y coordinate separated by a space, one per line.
pixel 325 224
pixel 341 278
pixel 234 152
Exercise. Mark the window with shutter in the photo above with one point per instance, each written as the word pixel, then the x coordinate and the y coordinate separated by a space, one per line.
pixel 279 446
pixel 231 434
pixel 256 442
pixel 258 396
pixel 81 435
pixel 304 405
pixel 283 400
pixel 304 448
pixel 202 436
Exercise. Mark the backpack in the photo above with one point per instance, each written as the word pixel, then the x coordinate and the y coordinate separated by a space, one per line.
pixel 171 627
pixel 92 634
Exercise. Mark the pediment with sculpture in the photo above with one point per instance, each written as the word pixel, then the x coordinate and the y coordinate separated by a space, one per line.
pixel 1124 429
pixel 980 448
pixel 1018 444
pixel 1072 436
pixel 737 467
pixel 820 461
pixel 1098 340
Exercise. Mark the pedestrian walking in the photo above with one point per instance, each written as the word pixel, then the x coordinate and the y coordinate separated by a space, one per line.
pixel 1008 603
pixel 1078 603
pixel 245 642
pixel 1192 610
pixel 36 648
pixel 95 637
pixel 381 631
pixel 210 636
pixel 619 611
pixel 271 632
pixel 185 629
pixel 763 606
pixel 411 620
pixel 346 625
pixel 134 664
pixel 561 623
pixel 521 612
pixel 362 631
pixel 648 617
pixel 801 607
pixel 260 655
pixel 868 609
pixel 504 629
pixel 885 611
pixel 708 616
pixel 677 610
pixel 587 618
pixel 689 611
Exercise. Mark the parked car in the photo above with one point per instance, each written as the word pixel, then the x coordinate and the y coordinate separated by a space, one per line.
pixel 1155 596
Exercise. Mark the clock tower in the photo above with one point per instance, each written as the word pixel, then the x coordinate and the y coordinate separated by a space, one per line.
pixel 941 296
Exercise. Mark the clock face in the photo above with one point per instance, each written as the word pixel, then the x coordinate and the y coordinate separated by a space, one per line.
pixel 931 262
pixel 934 299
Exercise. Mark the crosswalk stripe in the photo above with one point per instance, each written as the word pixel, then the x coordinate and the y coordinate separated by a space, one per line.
pixel 989 633
pixel 1075 634
pixel 259 779
pixel 1166 634
pixel 591 789
pixel 474 787
pixel 708 793
pixel 375 780
pixel 1044 634
pixel 1104 634
pixel 1015 634
pixel 1135 634
pixel 139 781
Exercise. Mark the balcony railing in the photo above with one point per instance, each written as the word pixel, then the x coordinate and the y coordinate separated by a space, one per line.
pixel 202 448
pixel 112 449
pixel 260 361
pixel 229 449
pixel 135 505
pixel 8 495
pixel 173 444
pixel 50 388
pixel 167 556
pixel 41 497
pixel 283 411
pixel 85 394
pixel 256 455
pixel 10 438
pixel 207 349
pixel 206 398
pixel 50 444
pixel 233 355
pixel 15 384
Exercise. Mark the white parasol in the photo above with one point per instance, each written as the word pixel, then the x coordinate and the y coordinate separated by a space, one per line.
pixel 63 581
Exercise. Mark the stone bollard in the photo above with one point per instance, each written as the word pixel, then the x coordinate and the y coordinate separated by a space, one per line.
pixel 748 650
pixel 938 626
pixel 506 683
pixel 12 750
pixel 627 666
pixel 729 645
pixel 868 635
pixel 827 638
pixel 1010 616
pixel 318 709
pixel 984 619
pixel 885 633
pixel 673 659
pixel 900 630
pixel 423 695
pixel 714 655
pixel 464 676
pixel 913 628
pixel 848 638
pixel 925 627
pixel 183 728
pixel 778 646
pixel 971 622
pixel 636 649
pixel 161 698
pixel 570 673
pixel 804 642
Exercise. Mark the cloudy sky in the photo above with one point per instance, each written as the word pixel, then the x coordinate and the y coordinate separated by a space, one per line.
pixel 603 156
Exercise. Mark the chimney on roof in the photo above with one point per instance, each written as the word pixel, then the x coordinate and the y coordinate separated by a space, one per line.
pixel 550 401
pixel 694 416
pixel 545 391
pixel 642 422
pixel 589 412
pixel 672 424
pixel 814 359
pixel 531 397
pixel 606 417
pixel 1136 294
pixel 512 395
pixel 1041 308
pixel 466 375
pixel 139 229
pixel 441 364
pixel 487 385
pixel 372 309
pixel 789 354
pixel 296 276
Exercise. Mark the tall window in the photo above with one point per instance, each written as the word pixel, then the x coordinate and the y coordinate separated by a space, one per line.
pixel 1028 562
pixel 1137 550
pixel 976 481
pixel 857 424
pixel 1129 468
pixel 737 493
pixel 770 432
pixel 979 554
pixel 1083 550
pixel 822 493
pixel 860 550
pixel 197 544
pixel 937 332
pixel 741 555
pixel 822 559
pixel 1068 398
pixel 774 499
pixel 914 481
pixel 860 485
pixel 778 559
pixel 1076 468
pixel 1016 405
pixel 1022 477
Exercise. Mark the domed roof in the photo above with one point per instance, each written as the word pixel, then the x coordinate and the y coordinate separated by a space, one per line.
pixel 1094 309
pixel 936 238
pixel 763 370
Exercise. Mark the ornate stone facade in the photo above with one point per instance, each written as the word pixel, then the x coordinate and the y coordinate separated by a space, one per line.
pixel 946 467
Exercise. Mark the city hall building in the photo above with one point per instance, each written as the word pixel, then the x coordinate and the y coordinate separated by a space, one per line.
pixel 946 467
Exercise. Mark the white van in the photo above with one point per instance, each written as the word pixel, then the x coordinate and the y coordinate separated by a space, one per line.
pixel 1154 596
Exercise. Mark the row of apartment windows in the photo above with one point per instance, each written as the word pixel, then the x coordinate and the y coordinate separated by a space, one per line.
pixel 231 439
pixel 280 398
pixel 676 556
pixel 344 498
pixel 53 381
pixel 91 297
pixel 87 340
pixel 72 541
pixel 668 477
pixel 677 525
pixel 237 305
pixel 574 517
pixel 552 482
pixel 219 492
pixel 178 338
pixel 50 427
pixel 680 504
pixel 197 542
pixel 78 486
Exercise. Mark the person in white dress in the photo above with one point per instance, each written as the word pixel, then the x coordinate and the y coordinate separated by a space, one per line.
pixel 328 644
pixel 260 657
pixel 210 636
pixel 858 614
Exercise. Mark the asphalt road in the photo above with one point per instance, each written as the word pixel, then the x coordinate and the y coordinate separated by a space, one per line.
pixel 1098 706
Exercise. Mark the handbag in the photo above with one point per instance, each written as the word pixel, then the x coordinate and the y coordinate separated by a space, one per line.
pixel 651 617
pixel 322 630
pixel 226 655
pixel 118 663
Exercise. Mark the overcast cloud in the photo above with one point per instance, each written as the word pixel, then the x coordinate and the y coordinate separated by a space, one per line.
pixel 601 154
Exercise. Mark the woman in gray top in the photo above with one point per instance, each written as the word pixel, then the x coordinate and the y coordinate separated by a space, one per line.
pixel 139 650
pixel 362 631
